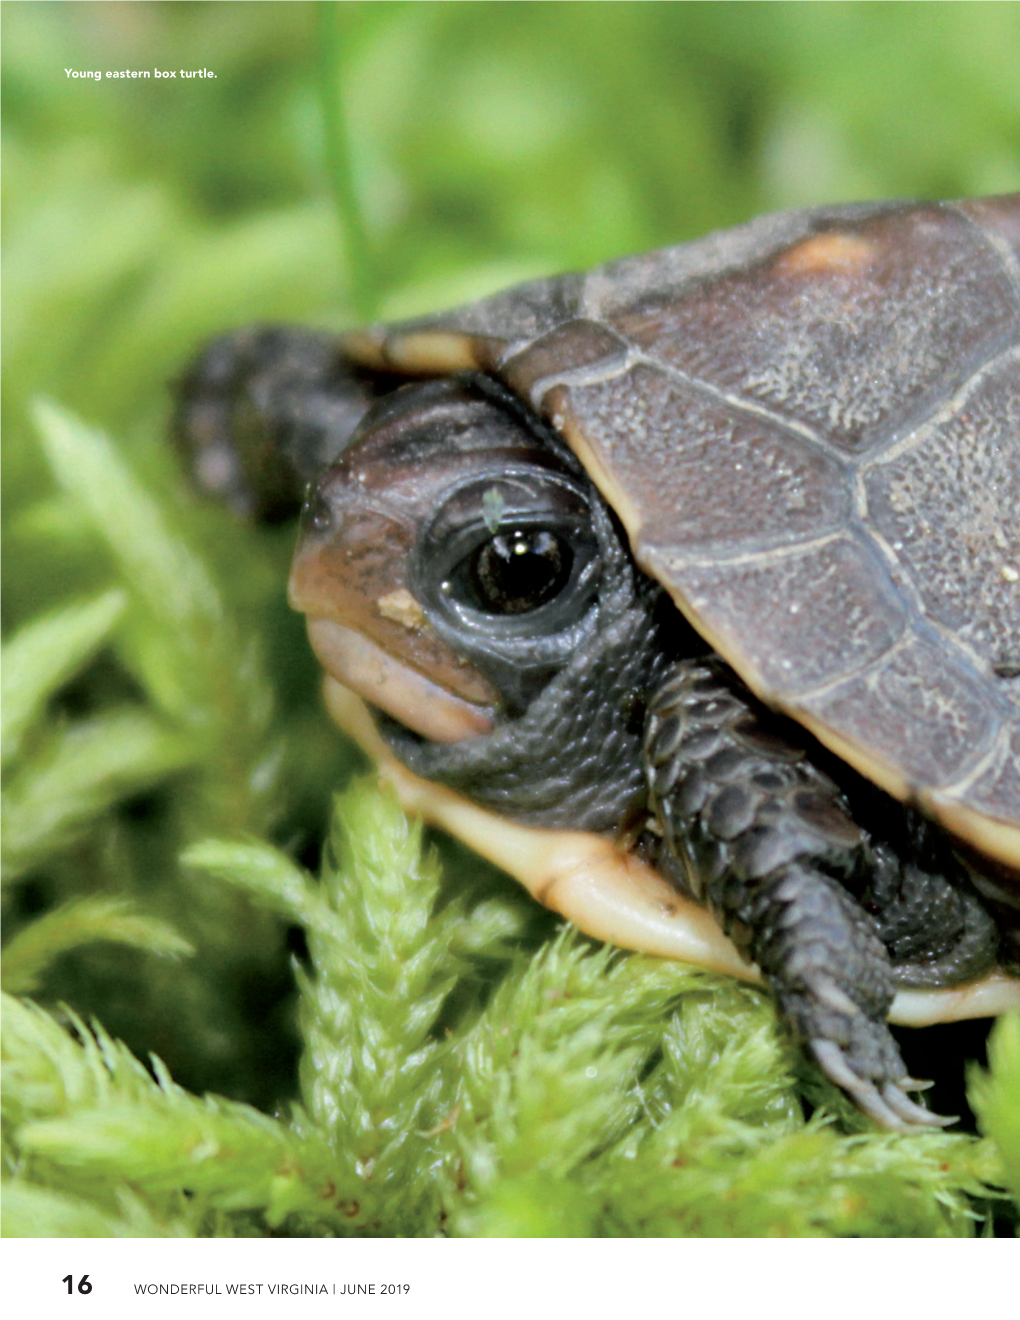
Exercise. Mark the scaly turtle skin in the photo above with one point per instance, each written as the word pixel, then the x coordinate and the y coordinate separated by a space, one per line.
pixel 705 567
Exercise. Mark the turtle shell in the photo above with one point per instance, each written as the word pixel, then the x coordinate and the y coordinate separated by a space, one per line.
pixel 810 428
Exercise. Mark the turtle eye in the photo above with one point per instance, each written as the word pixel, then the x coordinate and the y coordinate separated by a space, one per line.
pixel 508 572
pixel 518 571
pixel 511 555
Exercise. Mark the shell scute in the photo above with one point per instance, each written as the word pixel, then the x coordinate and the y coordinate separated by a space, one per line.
pixel 572 347
pixel 706 477
pixel 670 272
pixel 852 348
pixel 799 620
pixel 918 709
pixel 998 218
pixel 948 506
pixel 996 792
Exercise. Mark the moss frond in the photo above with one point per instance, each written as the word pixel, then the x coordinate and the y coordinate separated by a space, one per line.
pixel 180 639
pixel 77 775
pixel 87 1117
pixel 995 1096
pixel 82 921
pixel 44 654
pixel 31 1211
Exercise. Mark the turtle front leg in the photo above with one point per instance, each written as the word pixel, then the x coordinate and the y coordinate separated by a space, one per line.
pixel 261 411
pixel 765 839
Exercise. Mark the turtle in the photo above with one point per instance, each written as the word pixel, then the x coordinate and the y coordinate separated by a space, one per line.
pixel 688 589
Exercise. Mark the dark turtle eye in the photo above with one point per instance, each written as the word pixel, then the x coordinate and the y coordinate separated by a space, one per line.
pixel 508 573
pixel 510 555
pixel 519 570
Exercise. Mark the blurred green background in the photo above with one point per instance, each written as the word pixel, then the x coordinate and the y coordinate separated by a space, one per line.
pixel 488 143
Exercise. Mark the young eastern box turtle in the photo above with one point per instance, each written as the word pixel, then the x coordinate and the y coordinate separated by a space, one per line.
pixel 704 567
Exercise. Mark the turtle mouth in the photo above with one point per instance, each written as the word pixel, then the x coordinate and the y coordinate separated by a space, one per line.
pixel 394 687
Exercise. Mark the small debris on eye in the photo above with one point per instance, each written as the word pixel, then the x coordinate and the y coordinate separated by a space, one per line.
pixel 492 509
pixel 316 515
pixel 402 608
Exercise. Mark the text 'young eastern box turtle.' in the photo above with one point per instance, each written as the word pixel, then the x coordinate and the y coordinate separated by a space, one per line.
pixel 690 586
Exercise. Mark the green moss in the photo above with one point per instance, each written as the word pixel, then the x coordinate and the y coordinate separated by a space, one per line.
pixel 994 1096
pixel 589 1093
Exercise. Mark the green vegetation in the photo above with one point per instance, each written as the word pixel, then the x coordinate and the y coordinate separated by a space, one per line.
pixel 444 1059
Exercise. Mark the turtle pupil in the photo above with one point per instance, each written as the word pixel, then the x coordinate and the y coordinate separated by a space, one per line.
pixel 518 571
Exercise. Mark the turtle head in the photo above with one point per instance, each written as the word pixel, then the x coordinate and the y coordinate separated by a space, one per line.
pixel 449 562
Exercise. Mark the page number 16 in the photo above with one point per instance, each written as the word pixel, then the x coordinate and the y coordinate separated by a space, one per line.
pixel 83 1284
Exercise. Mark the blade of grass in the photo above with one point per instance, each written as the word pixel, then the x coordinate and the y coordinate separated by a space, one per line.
pixel 331 59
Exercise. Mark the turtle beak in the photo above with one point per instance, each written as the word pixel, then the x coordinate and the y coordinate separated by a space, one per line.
pixel 364 667
pixel 349 577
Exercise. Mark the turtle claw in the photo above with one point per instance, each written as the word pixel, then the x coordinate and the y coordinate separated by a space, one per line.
pixel 894 1094
pixel 888 1105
